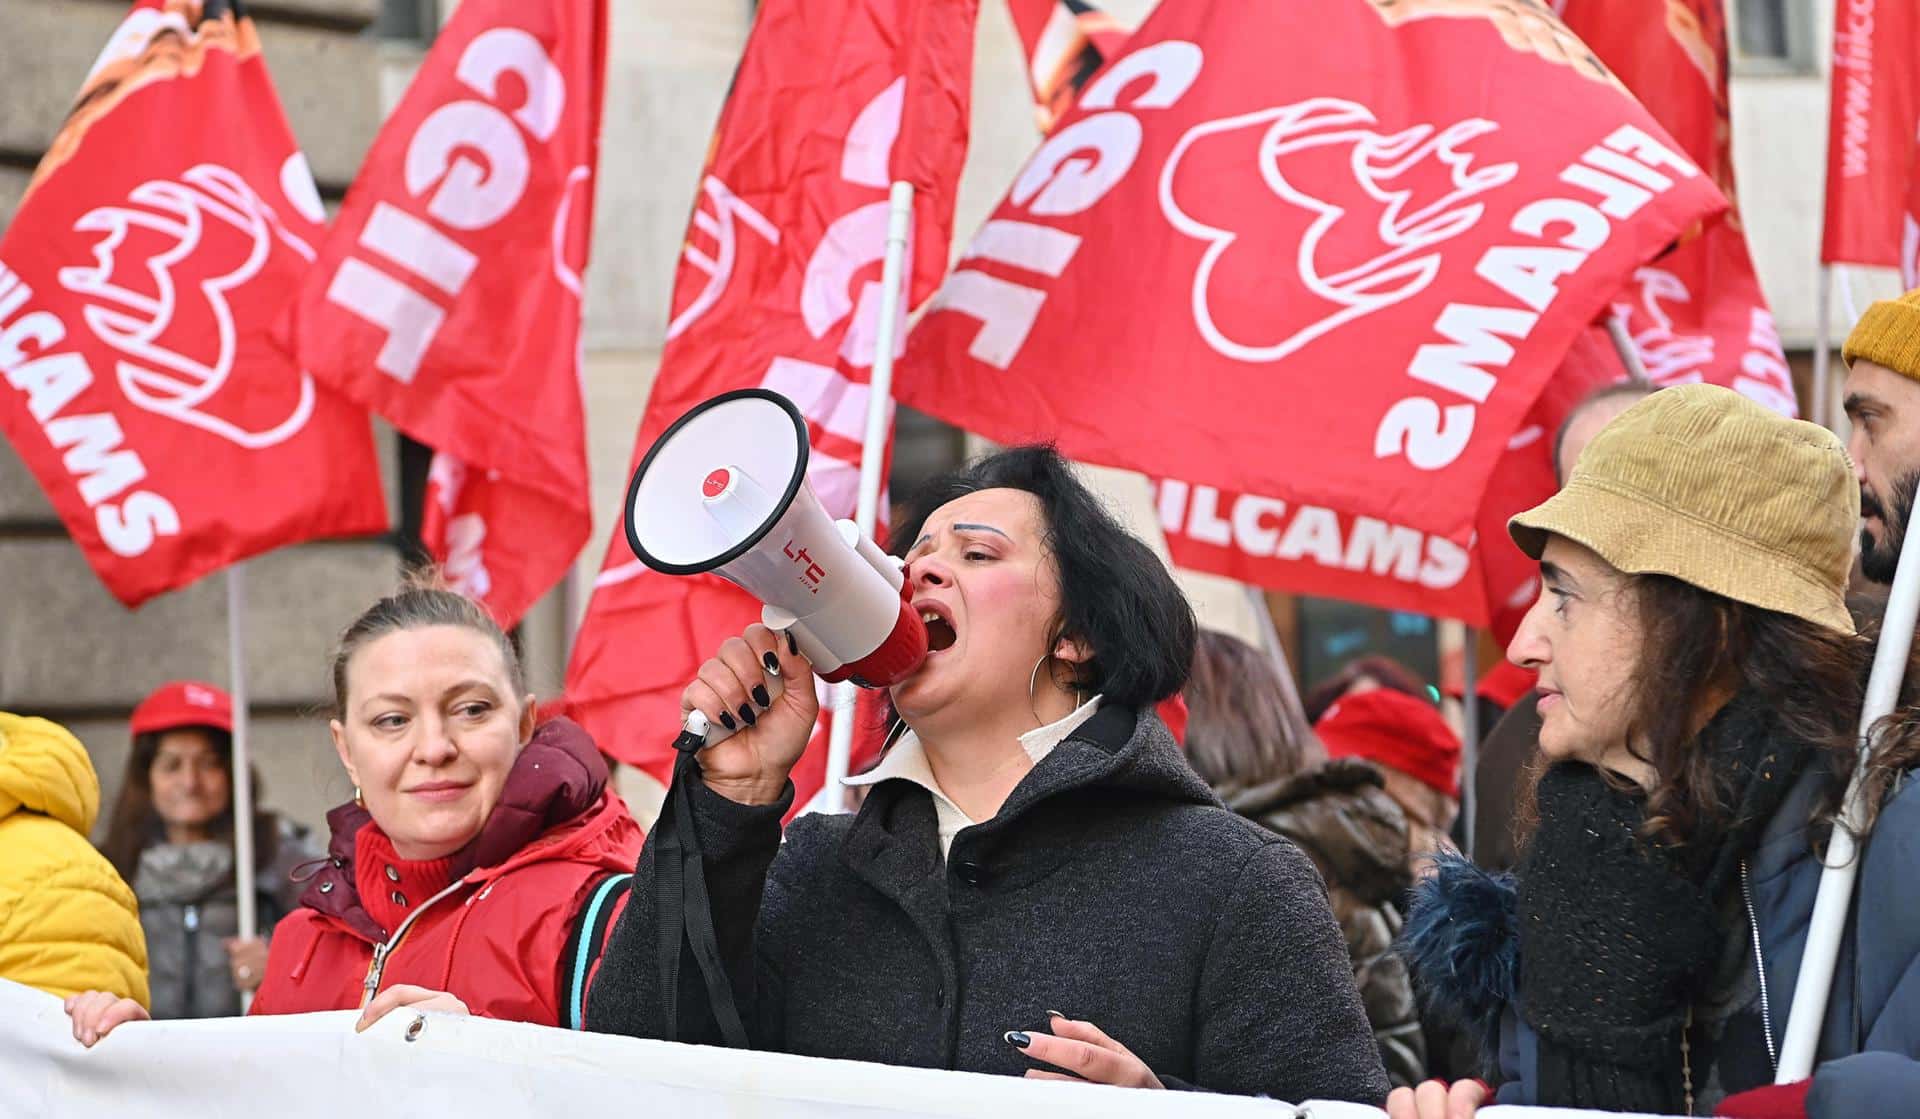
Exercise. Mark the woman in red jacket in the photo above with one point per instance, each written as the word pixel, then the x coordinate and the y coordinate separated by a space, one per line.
pixel 477 850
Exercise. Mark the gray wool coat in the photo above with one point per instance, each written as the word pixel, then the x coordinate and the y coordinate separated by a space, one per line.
pixel 1112 886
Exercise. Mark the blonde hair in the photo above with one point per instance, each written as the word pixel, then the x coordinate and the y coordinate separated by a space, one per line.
pixel 423 600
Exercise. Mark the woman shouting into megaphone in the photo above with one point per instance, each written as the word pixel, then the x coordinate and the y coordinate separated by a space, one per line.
pixel 1037 882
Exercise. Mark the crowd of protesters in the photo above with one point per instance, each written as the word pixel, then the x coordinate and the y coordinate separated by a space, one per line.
pixel 1041 880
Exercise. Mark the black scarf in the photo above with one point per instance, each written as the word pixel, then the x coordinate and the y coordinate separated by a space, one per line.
pixel 1620 935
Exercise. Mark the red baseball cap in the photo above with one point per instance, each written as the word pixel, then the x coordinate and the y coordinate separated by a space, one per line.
pixel 184 703
pixel 1395 730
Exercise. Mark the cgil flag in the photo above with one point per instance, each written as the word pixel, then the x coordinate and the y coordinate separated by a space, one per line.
pixel 779 287
pixel 170 220
pixel 448 295
pixel 1873 138
pixel 1336 278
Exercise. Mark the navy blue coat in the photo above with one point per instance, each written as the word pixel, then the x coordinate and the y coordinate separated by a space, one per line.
pixel 1869 1052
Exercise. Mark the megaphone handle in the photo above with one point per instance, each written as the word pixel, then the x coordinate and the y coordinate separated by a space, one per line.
pixel 699 732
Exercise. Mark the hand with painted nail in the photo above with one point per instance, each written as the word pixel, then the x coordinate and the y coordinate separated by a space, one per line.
pixel 1084 1052
pixel 404 994
pixel 1436 1099
pixel 95 1014
pixel 731 690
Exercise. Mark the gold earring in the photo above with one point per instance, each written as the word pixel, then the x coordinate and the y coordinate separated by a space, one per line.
pixel 356 797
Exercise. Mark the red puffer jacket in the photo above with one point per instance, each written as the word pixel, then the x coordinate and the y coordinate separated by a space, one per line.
pixel 494 934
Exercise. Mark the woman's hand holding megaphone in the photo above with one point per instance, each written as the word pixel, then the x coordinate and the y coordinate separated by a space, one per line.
pixel 771 725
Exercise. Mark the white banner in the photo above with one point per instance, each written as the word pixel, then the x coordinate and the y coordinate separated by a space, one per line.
pixel 409 1065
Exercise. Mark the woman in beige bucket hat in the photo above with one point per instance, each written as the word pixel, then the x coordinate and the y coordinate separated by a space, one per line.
pixel 1700 682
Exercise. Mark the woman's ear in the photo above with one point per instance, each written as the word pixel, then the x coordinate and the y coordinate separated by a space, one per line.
pixel 529 715
pixel 1072 650
pixel 340 747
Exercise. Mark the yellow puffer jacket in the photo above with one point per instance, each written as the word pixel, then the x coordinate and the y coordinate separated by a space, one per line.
pixel 67 921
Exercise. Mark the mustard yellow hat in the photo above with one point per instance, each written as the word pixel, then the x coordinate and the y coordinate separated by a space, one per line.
pixel 1702 484
pixel 1889 334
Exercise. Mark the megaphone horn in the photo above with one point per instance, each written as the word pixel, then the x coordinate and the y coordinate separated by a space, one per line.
pixel 724 490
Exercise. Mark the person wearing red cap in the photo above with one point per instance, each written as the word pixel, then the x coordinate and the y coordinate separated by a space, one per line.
pixel 171 837
pixel 1414 749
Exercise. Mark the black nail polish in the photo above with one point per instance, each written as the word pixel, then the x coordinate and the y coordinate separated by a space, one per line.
pixel 1018 1039
pixel 746 713
pixel 793 646
pixel 761 697
pixel 1055 1014
pixel 772 662
pixel 726 721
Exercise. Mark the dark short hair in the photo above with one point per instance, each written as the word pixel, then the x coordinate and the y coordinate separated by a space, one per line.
pixel 1115 594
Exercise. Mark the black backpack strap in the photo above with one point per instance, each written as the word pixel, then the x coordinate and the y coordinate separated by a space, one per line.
pixel 586 942
pixel 683 908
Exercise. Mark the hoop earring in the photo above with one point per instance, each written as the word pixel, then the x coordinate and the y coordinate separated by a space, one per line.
pixel 1033 681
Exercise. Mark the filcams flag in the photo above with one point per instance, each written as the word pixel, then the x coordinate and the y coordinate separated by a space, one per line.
pixel 779 287
pixel 447 296
pixel 1065 43
pixel 168 224
pixel 1335 269
pixel 1697 313
pixel 1873 138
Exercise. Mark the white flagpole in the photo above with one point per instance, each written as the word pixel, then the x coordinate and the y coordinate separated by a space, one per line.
pixel 1623 345
pixel 1828 924
pixel 873 453
pixel 242 768
pixel 1822 343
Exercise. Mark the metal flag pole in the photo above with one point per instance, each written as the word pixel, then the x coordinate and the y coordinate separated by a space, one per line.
pixel 241 768
pixel 1623 345
pixel 1270 637
pixel 873 454
pixel 1822 343
pixel 1469 732
pixel 1828 925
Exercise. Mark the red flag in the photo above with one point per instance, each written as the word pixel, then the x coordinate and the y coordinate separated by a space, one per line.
pixel 1873 137
pixel 779 287
pixel 447 297
pixel 1065 42
pixel 1336 277
pixel 167 225
pixel 1696 314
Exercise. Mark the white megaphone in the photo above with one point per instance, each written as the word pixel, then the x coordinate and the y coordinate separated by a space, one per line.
pixel 724 490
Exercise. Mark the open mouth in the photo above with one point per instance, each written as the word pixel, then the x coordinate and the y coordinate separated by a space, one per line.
pixel 940 633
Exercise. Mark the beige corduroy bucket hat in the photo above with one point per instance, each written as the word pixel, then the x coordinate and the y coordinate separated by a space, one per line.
pixel 1702 484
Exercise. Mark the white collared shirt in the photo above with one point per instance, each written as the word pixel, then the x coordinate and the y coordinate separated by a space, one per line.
pixel 908 762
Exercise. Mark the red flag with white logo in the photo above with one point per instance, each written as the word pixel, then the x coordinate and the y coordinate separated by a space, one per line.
pixel 1336 277
pixel 169 222
pixel 1873 137
pixel 779 287
pixel 1697 313
pixel 1065 43
pixel 448 295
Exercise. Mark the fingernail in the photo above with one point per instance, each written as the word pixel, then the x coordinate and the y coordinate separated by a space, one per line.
pixel 728 722
pixel 1018 1039
pixel 760 695
pixel 772 662
pixel 747 714
pixel 793 646
pixel 1055 1014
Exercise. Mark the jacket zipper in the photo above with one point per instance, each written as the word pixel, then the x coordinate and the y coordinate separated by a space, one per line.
pixel 189 978
pixel 382 951
pixel 1760 965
